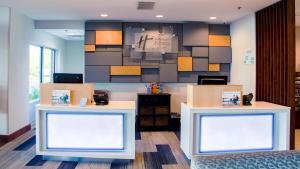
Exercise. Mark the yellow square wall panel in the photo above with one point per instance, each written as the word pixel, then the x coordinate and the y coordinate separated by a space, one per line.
pixel 108 37
pixel 214 67
pixel 89 48
pixel 219 40
pixel 125 70
pixel 185 64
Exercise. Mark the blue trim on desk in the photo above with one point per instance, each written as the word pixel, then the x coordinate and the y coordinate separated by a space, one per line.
pixel 238 150
pixel 86 149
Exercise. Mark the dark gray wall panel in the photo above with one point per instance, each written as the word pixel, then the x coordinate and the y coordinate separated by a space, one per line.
pixel 126 51
pixel 195 34
pixel 103 58
pixel 150 63
pixel 187 77
pixel 150 75
pixel 192 77
pixel 225 67
pixel 220 55
pixel 108 48
pixel 96 74
pixel 200 64
pixel 186 51
pixel 218 29
pixel 125 79
pixel 89 37
pixel 110 26
pixel 170 58
pixel 153 56
pixel 200 51
pixel 168 73
pixel 127 61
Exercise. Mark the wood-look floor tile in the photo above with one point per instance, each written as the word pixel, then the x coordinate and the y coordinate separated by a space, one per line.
pixel 152 152
pixel 26 145
pixel 51 165
pixel 67 165
pixel 36 161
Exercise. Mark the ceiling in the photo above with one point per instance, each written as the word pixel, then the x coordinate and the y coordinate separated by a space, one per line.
pixel 67 34
pixel 173 10
pixel 226 11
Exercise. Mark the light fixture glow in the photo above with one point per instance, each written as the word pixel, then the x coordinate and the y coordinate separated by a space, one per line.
pixel 212 18
pixel 159 16
pixel 104 15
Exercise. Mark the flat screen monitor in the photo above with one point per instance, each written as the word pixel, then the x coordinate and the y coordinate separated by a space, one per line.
pixel 67 78
pixel 212 80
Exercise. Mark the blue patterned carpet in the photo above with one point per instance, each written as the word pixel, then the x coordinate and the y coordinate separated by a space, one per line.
pixel 259 160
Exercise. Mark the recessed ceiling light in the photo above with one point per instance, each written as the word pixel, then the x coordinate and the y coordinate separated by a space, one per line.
pixel 212 18
pixel 159 16
pixel 104 15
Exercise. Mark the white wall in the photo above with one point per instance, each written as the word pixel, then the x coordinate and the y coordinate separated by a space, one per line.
pixel 298 49
pixel 4 40
pixel 243 39
pixel 74 56
pixel 21 35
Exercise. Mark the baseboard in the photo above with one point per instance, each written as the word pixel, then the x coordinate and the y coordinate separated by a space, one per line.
pixel 7 138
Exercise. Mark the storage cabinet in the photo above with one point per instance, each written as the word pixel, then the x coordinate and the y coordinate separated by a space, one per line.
pixel 154 112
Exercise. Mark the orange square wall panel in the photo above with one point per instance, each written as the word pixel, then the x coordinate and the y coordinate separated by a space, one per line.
pixel 90 48
pixel 185 64
pixel 108 37
pixel 125 70
pixel 219 40
pixel 214 67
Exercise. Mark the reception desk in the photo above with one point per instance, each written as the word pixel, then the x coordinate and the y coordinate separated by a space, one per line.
pixel 213 130
pixel 65 132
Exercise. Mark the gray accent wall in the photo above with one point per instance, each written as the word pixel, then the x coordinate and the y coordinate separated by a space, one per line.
pixel 192 39
pixel 97 74
pixel 103 58
pixel 200 52
pixel 168 73
pixel 200 64
pixel 195 34
pixel 89 37
pixel 220 55
pixel 219 29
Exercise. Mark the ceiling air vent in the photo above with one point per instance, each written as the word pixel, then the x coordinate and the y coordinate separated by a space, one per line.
pixel 145 5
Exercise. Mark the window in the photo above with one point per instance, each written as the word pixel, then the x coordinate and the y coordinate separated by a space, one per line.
pixel 41 68
pixel 48 65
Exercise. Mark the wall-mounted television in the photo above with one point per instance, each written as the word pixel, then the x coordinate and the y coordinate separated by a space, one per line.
pixel 67 78
pixel 212 80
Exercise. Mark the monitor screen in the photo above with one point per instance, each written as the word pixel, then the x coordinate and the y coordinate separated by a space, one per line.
pixel 67 78
pixel 212 80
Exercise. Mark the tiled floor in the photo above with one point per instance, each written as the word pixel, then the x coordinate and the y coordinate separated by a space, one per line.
pixel 154 150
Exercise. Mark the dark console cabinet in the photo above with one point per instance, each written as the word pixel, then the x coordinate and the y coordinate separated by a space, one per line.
pixel 154 112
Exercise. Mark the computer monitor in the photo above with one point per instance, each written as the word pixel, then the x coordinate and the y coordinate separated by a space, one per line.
pixel 67 78
pixel 212 80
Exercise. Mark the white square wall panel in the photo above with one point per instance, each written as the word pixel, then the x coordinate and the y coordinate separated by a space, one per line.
pixel 230 133
pixel 85 131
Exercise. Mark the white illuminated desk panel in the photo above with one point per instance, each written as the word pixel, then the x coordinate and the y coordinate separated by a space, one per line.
pixel 86 132
pixel 214 130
